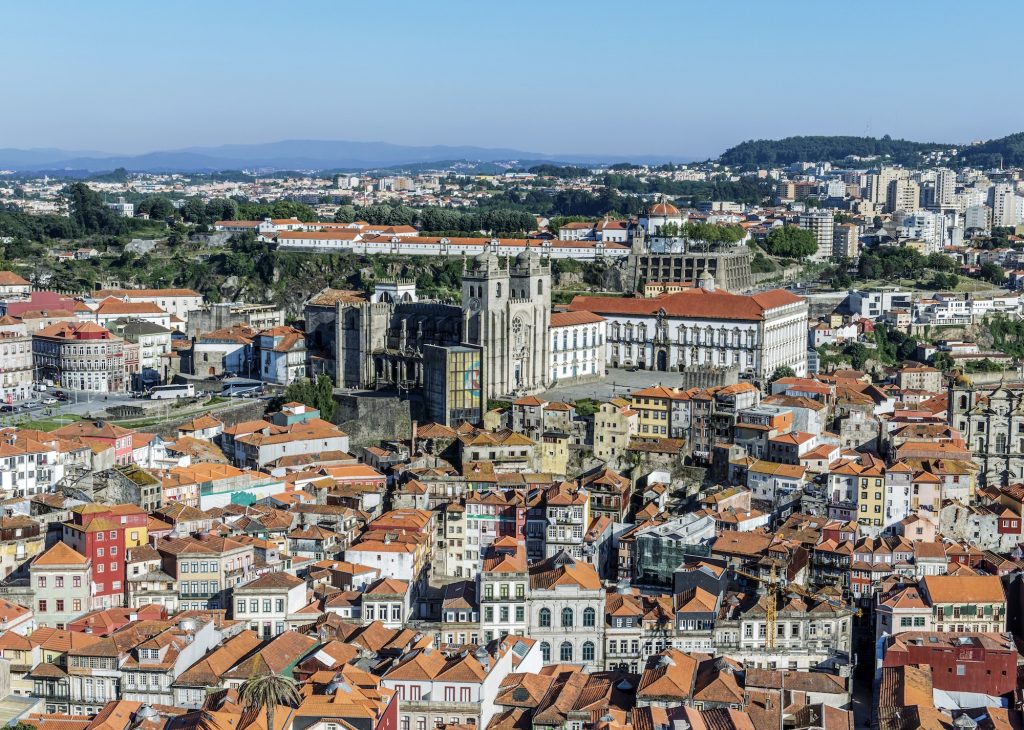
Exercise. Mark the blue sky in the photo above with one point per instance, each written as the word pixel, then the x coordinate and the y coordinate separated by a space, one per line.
pixel 673 78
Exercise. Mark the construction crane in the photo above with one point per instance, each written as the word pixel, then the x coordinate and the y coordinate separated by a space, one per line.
pixel 773 587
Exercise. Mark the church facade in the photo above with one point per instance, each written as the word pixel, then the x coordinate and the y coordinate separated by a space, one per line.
pixel 378 342
pixel 507 312
pixel 990 418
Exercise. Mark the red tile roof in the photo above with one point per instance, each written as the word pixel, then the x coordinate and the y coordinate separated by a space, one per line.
pixel 693 303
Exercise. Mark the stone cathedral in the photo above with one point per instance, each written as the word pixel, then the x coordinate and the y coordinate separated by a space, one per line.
pixel 507 311
pixel 378 343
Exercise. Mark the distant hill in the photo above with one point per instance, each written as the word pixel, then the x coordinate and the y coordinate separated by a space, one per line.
pixel 769 152
pixel 15 159
pixel 1006 151
pixel 285 155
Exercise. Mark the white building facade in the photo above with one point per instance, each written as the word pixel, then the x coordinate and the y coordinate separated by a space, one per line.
pixel 702 327
pixel 577 346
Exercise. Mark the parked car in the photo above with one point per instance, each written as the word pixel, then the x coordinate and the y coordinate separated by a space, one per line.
pixel 8 408
pixel 49 400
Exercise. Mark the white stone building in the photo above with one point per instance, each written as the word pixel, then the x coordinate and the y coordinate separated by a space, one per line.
pixel 504 584
pixel 565 611
pixel 176 302
pixel 15 360
pixel 820 223
pixel 435 687
pixel 704 327
pixel 577 346
pixel 266 603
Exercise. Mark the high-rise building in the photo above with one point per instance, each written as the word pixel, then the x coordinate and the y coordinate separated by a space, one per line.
pixel 846 241
pixel 1005 205
pixel 820 223
pixel 924 225
pixel 978 217
pixel 945 188
pixel 904 194
pixel 878 185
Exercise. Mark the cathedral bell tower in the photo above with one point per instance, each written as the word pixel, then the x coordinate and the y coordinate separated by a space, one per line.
pixel 507 312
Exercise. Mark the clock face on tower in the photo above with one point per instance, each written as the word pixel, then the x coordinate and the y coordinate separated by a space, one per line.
pixel 474 305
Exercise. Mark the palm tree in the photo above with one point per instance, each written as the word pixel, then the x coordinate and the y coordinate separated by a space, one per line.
pixel 268 691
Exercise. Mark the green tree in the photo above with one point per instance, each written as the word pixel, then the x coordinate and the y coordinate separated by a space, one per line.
pixel 194 211
pixel 791 242
pixel 157 207
pixel 783 371
pixel 268 691
pixel 941 262
pixel 318 395
pixel 90 214
pixel 858 354
pixel 943 361
pixel 992 273
pixel 345 214
pixel 325 396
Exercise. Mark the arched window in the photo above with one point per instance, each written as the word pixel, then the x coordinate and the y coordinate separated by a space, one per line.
pixel 545 651
pixel 565 652
pixel 963 402
pixel 540 286
pixel 588 651
pixel 1001 447
pixel 566 617
pixel 497 290
pixel 588 617
pixel 545 617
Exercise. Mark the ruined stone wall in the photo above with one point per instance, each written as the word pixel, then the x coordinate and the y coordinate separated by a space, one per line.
pixel 368 418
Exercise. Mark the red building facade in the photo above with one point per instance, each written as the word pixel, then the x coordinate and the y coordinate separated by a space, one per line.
pixel 99 533
pixel 981 663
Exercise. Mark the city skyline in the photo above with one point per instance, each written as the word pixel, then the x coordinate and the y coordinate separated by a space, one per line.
pixel 685 82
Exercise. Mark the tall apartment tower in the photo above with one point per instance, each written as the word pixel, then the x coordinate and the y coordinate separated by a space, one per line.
pixel 945 188
pixel 878 185
pixel 1005 205
pixel 820 223
pixel 846 241
pixel 904 194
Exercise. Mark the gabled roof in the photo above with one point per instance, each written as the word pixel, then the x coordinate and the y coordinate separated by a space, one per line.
pixel 59 555
pixel 561 569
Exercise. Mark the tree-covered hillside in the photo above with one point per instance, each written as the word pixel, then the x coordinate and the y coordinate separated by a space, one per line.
pixel 1006 151
pixel 767 152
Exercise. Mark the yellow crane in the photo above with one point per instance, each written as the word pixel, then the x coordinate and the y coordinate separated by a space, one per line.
pixel 773 587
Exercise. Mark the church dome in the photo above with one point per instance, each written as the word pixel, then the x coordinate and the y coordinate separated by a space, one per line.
pixel 483 257
pixel 663 209
pixel 527 256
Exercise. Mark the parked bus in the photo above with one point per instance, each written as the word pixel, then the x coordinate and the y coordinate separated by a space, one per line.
pixel 241 387
pixel 172 391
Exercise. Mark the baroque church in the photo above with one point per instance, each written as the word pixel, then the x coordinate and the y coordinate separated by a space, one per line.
pixel 378 342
